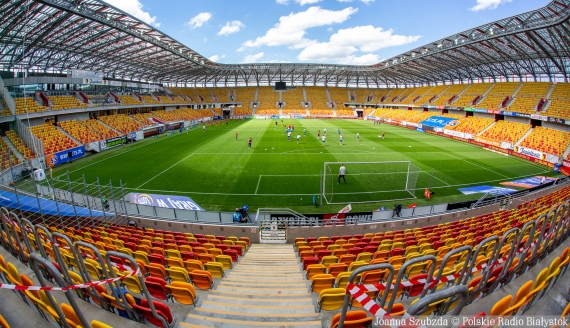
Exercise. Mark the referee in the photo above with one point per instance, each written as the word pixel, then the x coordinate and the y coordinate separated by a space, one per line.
pixel 341 173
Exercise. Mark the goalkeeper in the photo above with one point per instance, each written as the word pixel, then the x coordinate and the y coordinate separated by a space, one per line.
pixel 341 173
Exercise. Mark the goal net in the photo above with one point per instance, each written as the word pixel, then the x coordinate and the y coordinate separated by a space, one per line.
pixel 369 182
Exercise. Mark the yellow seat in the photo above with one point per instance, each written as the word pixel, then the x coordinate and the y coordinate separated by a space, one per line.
pixel 226 261
pixel 215 268
pixel 331 299
pixel 314 269
pixel 192 265
pixel 183 292
pixel 178 274
pixel 99 324
pixel 328 260
pixel 320 282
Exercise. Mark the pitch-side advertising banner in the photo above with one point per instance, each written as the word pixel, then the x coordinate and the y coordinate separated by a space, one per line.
pixel 530 152
pixel 178 202
pixel 63 156
pixel 440 122
pixel 565 167
pixel 488 141
pixel 454 133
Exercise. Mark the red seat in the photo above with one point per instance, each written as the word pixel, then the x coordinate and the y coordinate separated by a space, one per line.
pixel 323 252
pixel 438 244
pixel 374 243
pixel 231 252
pixel 326 243
pixel 355 250
pixel 221 237
pixel 197 235
pixel 361 244
pixel 334 238
pixel 371 249
pixel 222 246
pixel 202 240
pixel 237 248
pixel 188 256
pixel 310 239
pixel 157 288
pixel 397 252
pixel 131 246
pixel 365 240
pixel 161 309
pixel 157 258
pixel 158 244
pixel 194 244
pixel 310 260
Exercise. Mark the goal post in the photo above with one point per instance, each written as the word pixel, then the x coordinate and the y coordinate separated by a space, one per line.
pixel 369 182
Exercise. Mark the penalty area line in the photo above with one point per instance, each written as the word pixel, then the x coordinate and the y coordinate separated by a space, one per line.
pixel 173 165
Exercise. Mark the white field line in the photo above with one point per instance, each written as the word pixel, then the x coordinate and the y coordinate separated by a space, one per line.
pixel 484 168
pixel 173 165
pixel 231 194
pixel 258 181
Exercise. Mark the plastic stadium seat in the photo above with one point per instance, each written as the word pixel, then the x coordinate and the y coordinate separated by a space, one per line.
pixel 238 249
pixel 215 268
pixel 157 288
pixel 320 282
pixel 192 265
pixel 161 309
pixel 231 253
pixel 183 293
pixel 202 279
pixel 310 260
pixel 315 269
pixel 156 270
pixel 225 260
pixel 205 258
pixel 178 274
pixel 331 299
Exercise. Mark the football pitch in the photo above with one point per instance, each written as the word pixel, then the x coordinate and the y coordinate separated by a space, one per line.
pixel 221 173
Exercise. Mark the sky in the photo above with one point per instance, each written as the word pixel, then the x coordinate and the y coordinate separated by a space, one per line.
pixel 354 32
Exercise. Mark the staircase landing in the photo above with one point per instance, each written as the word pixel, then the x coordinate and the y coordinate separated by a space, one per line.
pixel 265 289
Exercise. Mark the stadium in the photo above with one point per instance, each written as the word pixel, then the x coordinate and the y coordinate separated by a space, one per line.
pixel 143 184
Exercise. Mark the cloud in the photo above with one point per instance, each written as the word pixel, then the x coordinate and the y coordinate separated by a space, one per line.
pixel 199 20
pixel 252 58
pixel 215 58
pixel 487 4
pixel 231 27
pixel 135 8
pixel 343 44
pixel 282 2
pixel 367 59
pixel 306 2
pixel 290 31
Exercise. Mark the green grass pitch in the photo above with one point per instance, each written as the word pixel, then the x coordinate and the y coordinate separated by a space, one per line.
pixel 220 173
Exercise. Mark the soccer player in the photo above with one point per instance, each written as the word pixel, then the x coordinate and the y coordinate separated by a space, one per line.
pixel 289 136
pixel 341 173
pixel 325 131
pixel 186 130
pixel 338 131
pixel 319 134
pixel 340 136
pixel 304 132
pixel 204 127
pixel 382 135
pixel 236 136
pixel 249 143
pixel 323 140
pixel 298 137
pixel 357 137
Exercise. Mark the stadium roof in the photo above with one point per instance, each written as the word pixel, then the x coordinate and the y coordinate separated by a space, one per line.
pixel 59 35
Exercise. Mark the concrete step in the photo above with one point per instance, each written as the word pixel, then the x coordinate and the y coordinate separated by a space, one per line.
pixel 207 321
pixel 263 290
pixel 270 293
pixel 262 284
pixel 261 315
pixel 270 280
pixel 281 301
pixel 256 309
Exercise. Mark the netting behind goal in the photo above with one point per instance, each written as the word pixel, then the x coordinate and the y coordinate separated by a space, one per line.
pixel 369 182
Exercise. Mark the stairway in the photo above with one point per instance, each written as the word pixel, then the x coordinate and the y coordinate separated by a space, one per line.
pixel 265 289
pixel 524 136
pixel 487 128
pixel 68 135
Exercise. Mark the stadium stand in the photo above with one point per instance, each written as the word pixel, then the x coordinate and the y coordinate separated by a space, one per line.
pixel 20 145
pixel 166 100
pixel 185 93
pixel 368 111
pixel 429 95
pixel 559 101
pixel 145 118
pixel 65 102
pixel 101 129
pixel 218 111
pixel 339 95
pixel 166 116
pixel 128 100
pixel 267 99
pixel 122 123
pixel 4 110
pixel 472 125
pixel 379 94
pixel 548 141
pixel 421 117
pixel 453 115
pixel 528 97
pixel 497 95
pixel 242 111
pixel 7 156
pixel 98 99
pixel 412 94
pixel 450 94
pixel 202 95
pixel 473 91
pixel 317 96
pixel 506 131
pixel 245 95
pixel 54 140
pixel 362 95
pixel 79 131
pixel 220 94
pixel 28 105
pixel 345 112
pixel 395 95
pixel 407 115
pixel 293 99
pixel 147 99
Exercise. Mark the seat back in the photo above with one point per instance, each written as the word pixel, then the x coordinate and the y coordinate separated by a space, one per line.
pixel 202 279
